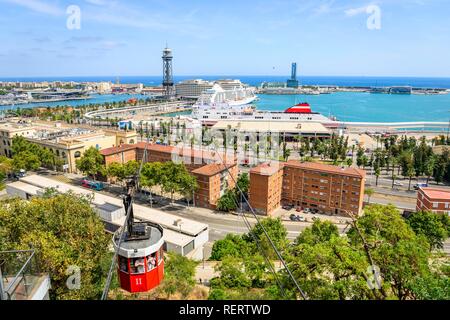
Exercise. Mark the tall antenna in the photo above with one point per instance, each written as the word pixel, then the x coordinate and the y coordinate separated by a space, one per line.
pixel 167 83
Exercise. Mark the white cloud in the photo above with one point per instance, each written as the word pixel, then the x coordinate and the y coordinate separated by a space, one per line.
pixel 355 11
pixel 37 6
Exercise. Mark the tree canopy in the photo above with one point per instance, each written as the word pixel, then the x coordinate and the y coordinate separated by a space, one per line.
pixel 91 163
pixel 64 231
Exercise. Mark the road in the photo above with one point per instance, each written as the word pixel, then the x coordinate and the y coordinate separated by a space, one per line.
pixel 221 224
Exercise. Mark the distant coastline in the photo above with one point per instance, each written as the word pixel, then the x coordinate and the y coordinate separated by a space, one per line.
pixel 342 81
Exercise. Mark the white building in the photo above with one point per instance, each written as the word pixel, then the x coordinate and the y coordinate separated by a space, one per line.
pixel 181 235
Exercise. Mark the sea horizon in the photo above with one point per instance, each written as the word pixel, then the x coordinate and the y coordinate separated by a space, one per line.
pixel 256 80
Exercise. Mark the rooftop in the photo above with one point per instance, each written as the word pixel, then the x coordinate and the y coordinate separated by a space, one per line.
pixel 207 156
pixel 267 168
pixel 166 220
pixel 212 169
pixel 327 168
pixel 114 150
pixel 272 126
pixel 436 193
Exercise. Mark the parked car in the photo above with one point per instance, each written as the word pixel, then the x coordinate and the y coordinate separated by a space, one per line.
pixel 420 185
pixel 95 185
pixel 299 209
pixel 295 217
pixel 307 210
pixel 286 207
pixel 399 184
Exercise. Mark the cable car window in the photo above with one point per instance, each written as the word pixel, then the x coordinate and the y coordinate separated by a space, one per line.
pixel 137 265
pixel 123 264
pixel 151 261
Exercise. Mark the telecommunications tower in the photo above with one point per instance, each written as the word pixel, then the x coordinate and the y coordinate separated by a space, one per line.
pixel 167 71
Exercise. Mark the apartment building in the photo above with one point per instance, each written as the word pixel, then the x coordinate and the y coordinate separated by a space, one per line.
pixel 213 181
pixel 329 189
pixel 436 200
pixel 265 187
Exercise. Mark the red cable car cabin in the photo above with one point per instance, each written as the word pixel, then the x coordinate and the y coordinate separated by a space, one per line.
pixel 140 257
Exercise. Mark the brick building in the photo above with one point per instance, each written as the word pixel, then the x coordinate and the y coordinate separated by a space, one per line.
pixel 436 200
pixel 212 175
pixel 213 180
pixel 329 189
pixel 121 154
pixel 266 182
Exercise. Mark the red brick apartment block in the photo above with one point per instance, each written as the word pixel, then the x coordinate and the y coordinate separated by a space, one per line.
pixel 327 188
pixel 208 167
pixel 436 200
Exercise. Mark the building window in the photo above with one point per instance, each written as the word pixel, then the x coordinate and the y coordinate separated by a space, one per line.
pixel 435 204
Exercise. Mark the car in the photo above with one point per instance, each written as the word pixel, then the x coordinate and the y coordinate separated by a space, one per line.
pixel 420 185
pixel 295 217
pixel 286 207
pixel 299 209
pixel 398 184
pixel 96 185
pixel 307 210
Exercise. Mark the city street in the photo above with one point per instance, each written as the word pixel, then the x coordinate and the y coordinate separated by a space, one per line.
pixel 221 224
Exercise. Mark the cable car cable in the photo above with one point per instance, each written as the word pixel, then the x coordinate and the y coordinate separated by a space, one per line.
pixel 264 254
pixel 116 252
pixel 265 231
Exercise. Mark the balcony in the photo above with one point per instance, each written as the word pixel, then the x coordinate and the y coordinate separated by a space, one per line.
pixel 20 278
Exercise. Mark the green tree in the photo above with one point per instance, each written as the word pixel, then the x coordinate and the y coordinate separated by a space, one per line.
pixel 393 246
pixel 232 245
pixel 179 275
pixel 243 182
pixel 91 163
pixel 431 226
pixel 276 231
pixel 369 193
pixel 227 202
pixel 64 231
pixel 25 160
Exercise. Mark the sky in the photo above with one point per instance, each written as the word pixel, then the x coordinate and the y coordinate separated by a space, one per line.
pixel 252 37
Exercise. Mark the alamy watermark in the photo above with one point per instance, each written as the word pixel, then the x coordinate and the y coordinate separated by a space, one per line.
pixel 374 277
pixel 73 282
pixel 73 21
pixel 374 19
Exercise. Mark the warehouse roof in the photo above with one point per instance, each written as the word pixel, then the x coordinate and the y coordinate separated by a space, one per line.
pixel 272 126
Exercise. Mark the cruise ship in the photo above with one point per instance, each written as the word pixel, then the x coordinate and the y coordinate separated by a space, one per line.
pixel 211 113
pixel 236 96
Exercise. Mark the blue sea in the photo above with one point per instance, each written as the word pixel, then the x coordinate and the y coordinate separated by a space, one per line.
pixel 362 81
pixel 346 106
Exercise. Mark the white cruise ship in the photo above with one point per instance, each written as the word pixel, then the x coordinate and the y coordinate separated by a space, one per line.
pixel 210 113
pixel 236 96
